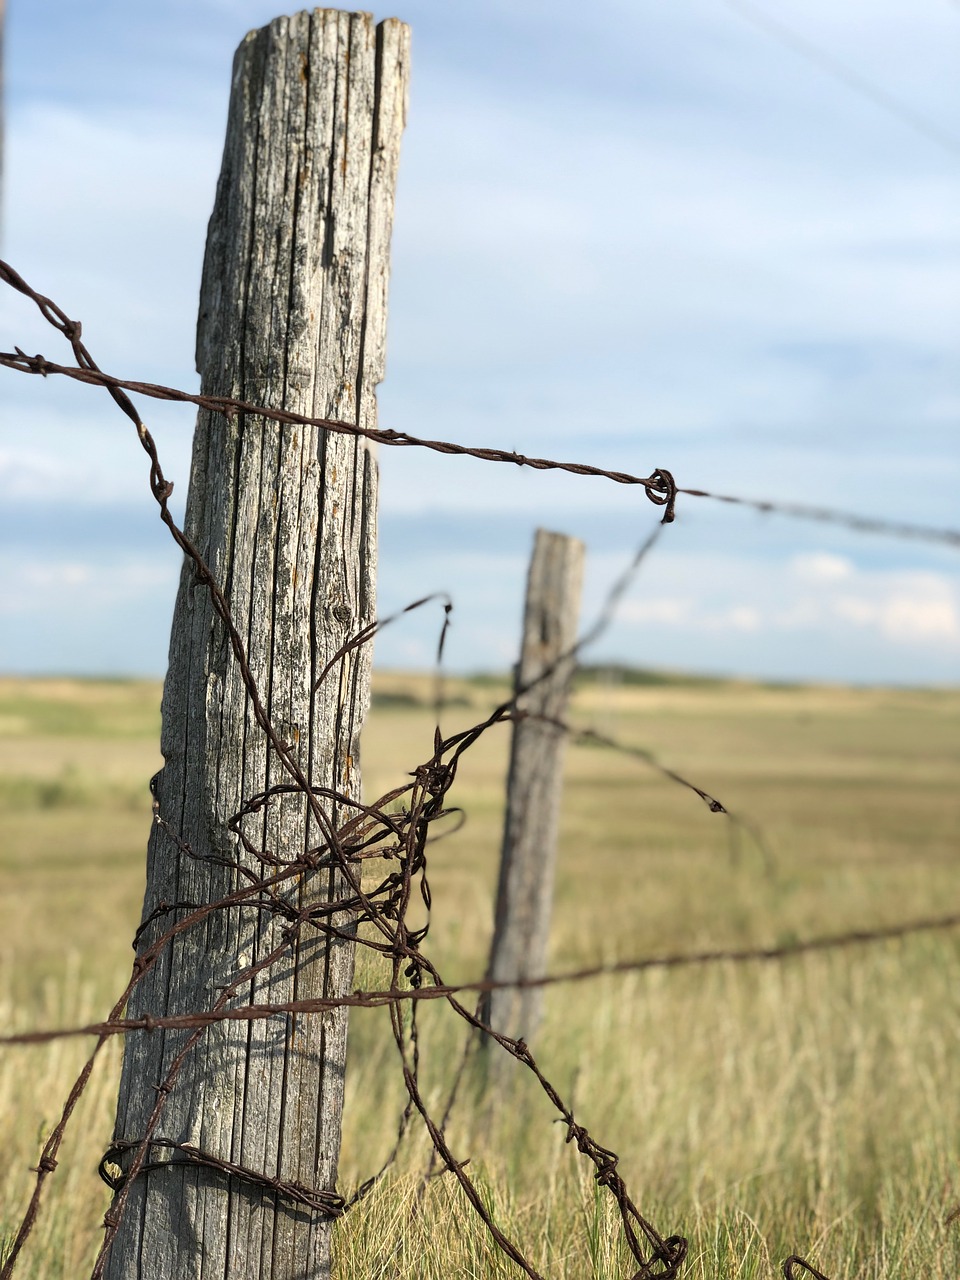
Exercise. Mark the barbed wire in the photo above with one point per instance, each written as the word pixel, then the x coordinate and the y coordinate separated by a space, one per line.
pixel 793 1263
pixel 380 997
pixel 378 916
pixel 391 835
pixel 660 486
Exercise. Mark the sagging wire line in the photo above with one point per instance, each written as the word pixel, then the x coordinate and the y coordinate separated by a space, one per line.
pixel 373 999
pixel 660 486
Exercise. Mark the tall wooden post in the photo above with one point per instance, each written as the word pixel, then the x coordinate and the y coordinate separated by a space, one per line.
pixel 528 857
pixel 292 314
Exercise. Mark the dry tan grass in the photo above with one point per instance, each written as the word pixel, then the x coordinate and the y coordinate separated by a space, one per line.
pixel 809 1106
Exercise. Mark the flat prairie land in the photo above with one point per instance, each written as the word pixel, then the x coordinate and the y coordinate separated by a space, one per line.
pixel 807 1106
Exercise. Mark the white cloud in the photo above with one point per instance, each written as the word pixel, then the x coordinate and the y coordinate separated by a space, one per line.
pixel 56 577
pixel 686 246
pixel 918 608
pixel 675 611
pixel 31 474
pixel 821 567
pixel 691 613
pixel 43 587
pixel 743 618
pixel 910 608
pixel 815 612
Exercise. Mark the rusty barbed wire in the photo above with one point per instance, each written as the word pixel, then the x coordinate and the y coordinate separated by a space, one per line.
pixel 414 995
pixel 402 838
pixel 198 1023
pixel 791 1264
pixel 738 824
pixel 382 833
pixel 660 486
pixel 326 1203
pixel 405 995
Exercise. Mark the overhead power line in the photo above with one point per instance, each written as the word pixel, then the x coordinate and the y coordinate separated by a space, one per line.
pixel 846 75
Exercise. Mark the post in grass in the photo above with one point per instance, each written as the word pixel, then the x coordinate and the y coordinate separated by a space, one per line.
pixel 534 784
pixel 292 315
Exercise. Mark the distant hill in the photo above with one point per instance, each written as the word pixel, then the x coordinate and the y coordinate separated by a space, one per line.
pixel 648 677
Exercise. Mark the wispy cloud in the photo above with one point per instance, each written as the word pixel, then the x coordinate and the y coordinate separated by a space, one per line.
pixel 817 606
pixel 678 246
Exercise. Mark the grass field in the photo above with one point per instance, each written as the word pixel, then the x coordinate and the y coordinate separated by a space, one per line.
pixel 810 1106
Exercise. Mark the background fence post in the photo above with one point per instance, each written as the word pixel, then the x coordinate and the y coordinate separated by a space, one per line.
pixel 292 314
pixel 528 856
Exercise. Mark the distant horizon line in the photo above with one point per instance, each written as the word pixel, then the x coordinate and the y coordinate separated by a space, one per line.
pixel 629 674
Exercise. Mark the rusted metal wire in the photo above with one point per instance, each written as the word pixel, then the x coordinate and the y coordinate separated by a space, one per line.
pixel 367 999
pixel 326 1203
pixel 660 486
pixel 393 833
pixel 791 1265
pixel 383 910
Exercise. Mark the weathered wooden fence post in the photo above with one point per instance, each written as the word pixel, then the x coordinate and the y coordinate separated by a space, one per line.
pixel 292 314
pixel 528 857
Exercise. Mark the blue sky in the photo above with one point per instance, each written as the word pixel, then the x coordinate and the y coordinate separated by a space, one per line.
pixel 640 234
